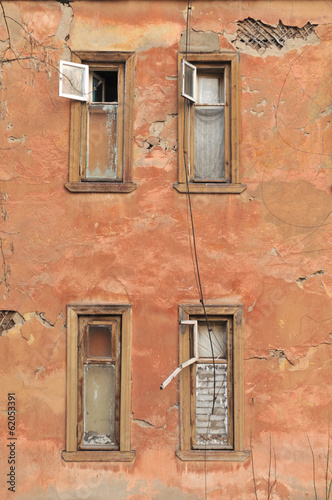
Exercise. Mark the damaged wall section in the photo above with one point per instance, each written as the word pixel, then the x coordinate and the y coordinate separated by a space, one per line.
pixel 8 319
pixel 261 36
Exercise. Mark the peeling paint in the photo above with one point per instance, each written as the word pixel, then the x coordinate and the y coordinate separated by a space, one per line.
pixel 267 248
pixel 300 281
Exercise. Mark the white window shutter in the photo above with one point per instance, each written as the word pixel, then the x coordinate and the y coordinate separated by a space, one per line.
pixel 188 80
pixel 74 80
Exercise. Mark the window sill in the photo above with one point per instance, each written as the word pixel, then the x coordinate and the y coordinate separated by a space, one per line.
pixel 209 188
pixel 212 455
pixel 100 187
pixel 98 456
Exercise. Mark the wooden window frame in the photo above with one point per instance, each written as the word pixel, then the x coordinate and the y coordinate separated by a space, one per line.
pixel 85 360
pixel 78 126
pixel 73 453
pixel 231 62
pixel 232 313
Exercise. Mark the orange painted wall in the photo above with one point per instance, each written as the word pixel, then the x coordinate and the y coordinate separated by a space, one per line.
pixel 268 248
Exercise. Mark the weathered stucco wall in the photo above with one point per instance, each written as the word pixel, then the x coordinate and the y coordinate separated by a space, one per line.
pixel 268 248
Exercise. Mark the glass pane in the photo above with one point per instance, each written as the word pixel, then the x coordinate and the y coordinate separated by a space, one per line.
pixel 97 89
pixel 211 429
pixel 99 341
pixel 102 144
pixel 209 147
pixel 210 89
pixel 189 80
pixel 99 404
pixel 218 339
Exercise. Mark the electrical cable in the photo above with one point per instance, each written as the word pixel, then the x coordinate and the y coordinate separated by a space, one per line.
pixel 196 265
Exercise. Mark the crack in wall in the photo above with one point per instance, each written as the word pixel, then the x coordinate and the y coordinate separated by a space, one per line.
pixel 303 279
pixel 281 355
pixel 6 271
pixel 146 424
pixel 64 28
pixel 159 136
pixel 273 353
pixel 10 319
pixel 46 322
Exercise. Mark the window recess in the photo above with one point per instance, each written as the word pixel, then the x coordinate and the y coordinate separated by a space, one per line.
pixel 101 91
pixel 209 124
pixel 211 431
pixel 98 383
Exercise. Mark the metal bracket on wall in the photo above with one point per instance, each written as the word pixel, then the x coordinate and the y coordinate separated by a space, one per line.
pixel 189 361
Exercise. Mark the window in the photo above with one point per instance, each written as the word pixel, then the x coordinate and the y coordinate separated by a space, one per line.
pixel 209 123
pixel 207 435
pixel 98 383
pixel 101 127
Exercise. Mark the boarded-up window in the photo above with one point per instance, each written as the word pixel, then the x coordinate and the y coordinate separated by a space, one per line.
pixel 211 388
pixel 212 383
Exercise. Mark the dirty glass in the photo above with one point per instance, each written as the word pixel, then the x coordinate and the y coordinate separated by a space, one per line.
pixel 73 78
pixel 209 144
pixel 210 90
pixel 102 141
pixel 211 429
pixel 98 85
pixel 99 341
pixel 218 337
pixel 188 80
pixel 99 404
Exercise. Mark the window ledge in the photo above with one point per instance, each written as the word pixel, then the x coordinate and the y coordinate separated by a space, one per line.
pixel 209 188
pixel 212 455
pixel 98 456
pixel 100 187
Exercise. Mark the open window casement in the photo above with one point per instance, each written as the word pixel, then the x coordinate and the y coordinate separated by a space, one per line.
pixel 211 376
pixel 74 81
pixel 101 88
pixel 188 80
pixel 97 87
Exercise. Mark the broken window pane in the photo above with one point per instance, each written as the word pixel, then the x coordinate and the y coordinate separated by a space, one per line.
pixel 102 143
pixel 218 337
pixel 100 341
pixel 211 429
pixel 209 145
pixel 99 404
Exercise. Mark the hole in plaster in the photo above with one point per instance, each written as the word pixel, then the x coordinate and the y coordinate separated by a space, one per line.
pixel 8 319
pixel 261 36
